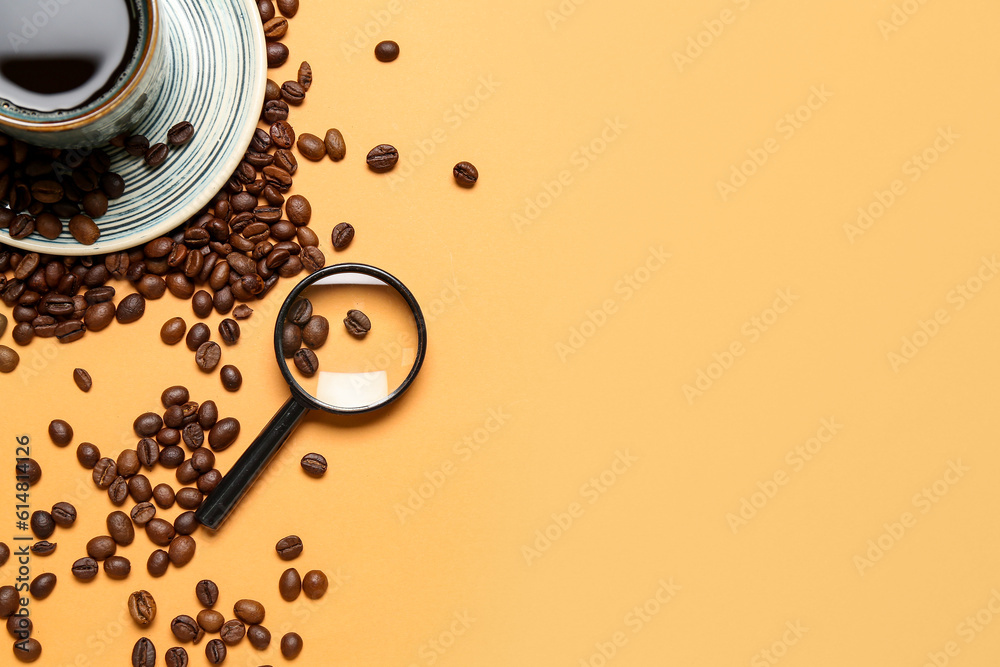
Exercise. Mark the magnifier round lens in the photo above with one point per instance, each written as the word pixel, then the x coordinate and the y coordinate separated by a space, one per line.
pixel 350 339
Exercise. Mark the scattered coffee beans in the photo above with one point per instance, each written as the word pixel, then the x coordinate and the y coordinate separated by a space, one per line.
pixel 186 629
pixel 306 362
pixel 28 470
pixel 157 563
pixel 215 651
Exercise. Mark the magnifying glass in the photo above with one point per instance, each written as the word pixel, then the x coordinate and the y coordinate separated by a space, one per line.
pixel 349 339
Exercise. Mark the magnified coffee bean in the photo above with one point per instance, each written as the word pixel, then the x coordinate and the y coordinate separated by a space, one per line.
pixel 306 362
pixel 357 323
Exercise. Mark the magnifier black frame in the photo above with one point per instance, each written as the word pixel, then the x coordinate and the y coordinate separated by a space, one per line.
pixel 300 394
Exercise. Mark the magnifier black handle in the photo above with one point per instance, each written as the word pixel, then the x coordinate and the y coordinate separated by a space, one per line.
pixel 251 464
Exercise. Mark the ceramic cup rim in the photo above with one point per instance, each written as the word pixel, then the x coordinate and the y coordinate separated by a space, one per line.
pixel 138 70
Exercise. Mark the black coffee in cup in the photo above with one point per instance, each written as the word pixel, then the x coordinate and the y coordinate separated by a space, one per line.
pixel 61 55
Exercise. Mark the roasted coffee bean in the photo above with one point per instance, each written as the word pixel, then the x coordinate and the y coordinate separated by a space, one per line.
pixel 242 312
pixel 288 8
pixel 386 51
pixel 118 491
pixel 223 434
pixel 82 379
pixel 60 432
pixel 466 174
pixel 159 531
pixel 208 481
pixel 276 109
pixel 22 227
pixel 357 323
pixel 210 620
pixel 158 563
pixel 42 524
pixel 68 332
pixel 285 159
pixel 85 569
pixel 259 637
pixel 202 460
pixel 278 177
pixel 4 554
pixel 202 304
pixel 19 627
pixel 215 651
pixel 8 359
pixel 241 264
pixel 382 158
pixel 277 54
pixel 99 316
pixel 148 453
pixel 105 472
pixel 128 461
pixel 186 629
pixel 9 601
pixel 43 548
pixel 207 593
pixel 275 29
pixel 22 333
pixel 188 498
pixel 87 454
pixel 291 645
pixel 282 134
pixel 306 237
pixel 142 607
pixel 142 513
pixel 63 514
pixel 180 285
pixel 289 548
pixel 208 414
pixel 306 361
pixel 168 437
pixel 311 147
pixel 186 523
pixel 99 294
pixel 342 235
pixel 198 335
pixel 147 424
pixel 101 547
pixel 231 378
pixel 181 550
pixel 315 331
pixel 84 229
pixel 305 76
pixel 42 585
pixel 266 9
pixel 117 567
pixel 334 144
pixel 176 657
pixel 95 204
pixel 175 395
pixel 298 209
pixel 140 489
pixel 28 470
pixel 250 612
pixel 314 584
pixel 232 632
pixel 208 356
pixel 143 653
pixel 136 145
pixel 156 155
pixel 294 94
pixel 186 473
pixel 163 495
pixel 113 185
pixel 28 650
pixel 290 584
pixel 130 309
pixel 314 465
pixel 180 133
pixel 312 258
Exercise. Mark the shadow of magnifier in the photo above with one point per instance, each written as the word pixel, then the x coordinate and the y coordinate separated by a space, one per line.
pixel 349 339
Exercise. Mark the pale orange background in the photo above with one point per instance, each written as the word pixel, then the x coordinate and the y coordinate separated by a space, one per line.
pixel 523 289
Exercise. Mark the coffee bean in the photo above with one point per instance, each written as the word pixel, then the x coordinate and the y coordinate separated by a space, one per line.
pixel 143 653
pixel 156 155
pixel 300 312
pixel 382 158
pixel 136 145
pixel 343 234
pixel 8 359
pixel 158 563
pixel 282 134
pixel 28 470
pixel 180 133
pixel 266 9
pixel 99 316
pixel 186 523
pixel 42 524
pixel 207 593
pixel 242 312
pixel 61 432
pixel 210 620
pixel 215 651
pixel 163 495
pixel 250 612
pixel 147 424
pixel 148 453
pixel 186 473
pixel 386 51
pixel 101 547
pixel 293 94
pixel 181 550
pixel 229 330
pixel 312 258
pixel 290 584
pixel 140 489
pixel 208 414
pixel 68 332
pixel 259 637
pixel 142 607
pixel 118 491
pixel 466 174
pixel 117 567
pixel 22 226
pixel 189 498
pixel 186 629
pixel 311 147
pixel 63 514
pixel 176 657
pixel 315 332
pixel 275 29
pixel 291 645
pixel 19 627
pixel 314 584
pixel 232 632
pixel 128 460
pixel 171 456
pixel 9 601
pixel 208 356
pixel 22 333
pixel 277 54
pixel 113 185
pixel 105 472
pixel 223 434
pixel 291 340
pixel 87 454
pixel 288 8
pixel 202 304
pixel 231 377
pixel 276 109
pixel 306 361
pixel 130 309
pixel 159 532
pixel 142 513
pixel 95 204
pixel 84 229
pixel 289 548
pixel 42 585
pixel 85 569
pixel 82 379
pixel 298 210
pixel 180 285
pixel 4 554
pixel 357 323
pixel 334 145
pixel 43 548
